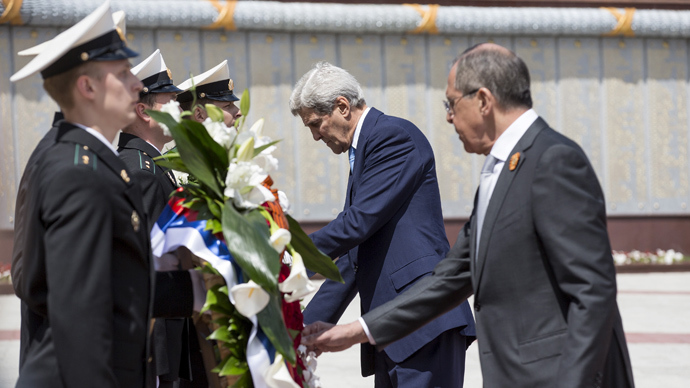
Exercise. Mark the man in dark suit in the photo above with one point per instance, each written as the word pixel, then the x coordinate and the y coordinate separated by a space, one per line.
pixel 535 252
pixel 175 351
pixel 86 274
pixel 390 233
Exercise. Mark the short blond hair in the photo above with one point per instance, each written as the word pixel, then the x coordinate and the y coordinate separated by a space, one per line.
pixel 60 87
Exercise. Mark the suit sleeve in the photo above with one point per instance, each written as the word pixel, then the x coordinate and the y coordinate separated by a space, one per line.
pixel 333 294
pixel 79 276
pixel 570 219
pixel 393 169
pixel 448 286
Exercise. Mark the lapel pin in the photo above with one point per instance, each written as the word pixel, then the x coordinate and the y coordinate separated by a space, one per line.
pixel 514 161
pixel 124 176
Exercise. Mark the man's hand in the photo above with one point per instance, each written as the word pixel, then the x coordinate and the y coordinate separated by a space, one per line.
pixel 325 337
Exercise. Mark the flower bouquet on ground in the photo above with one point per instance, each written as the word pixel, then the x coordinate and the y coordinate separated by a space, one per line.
pixel 253 255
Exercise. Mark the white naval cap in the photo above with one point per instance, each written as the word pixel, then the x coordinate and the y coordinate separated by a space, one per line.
pixel 120 25
pixel 155 76
pixel 94 38
pixel 214 84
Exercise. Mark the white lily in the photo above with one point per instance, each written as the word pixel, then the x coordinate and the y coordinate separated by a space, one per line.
pixel 297 285
pixel 278 376
pixel 284 202
pixel 249 298
pixel 220 133
pixel 267 162
pixel 280 238
pixel 173 109
pixel 257 128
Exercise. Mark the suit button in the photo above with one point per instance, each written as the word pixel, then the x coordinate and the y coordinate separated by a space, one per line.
pixel 355 268
pixel 150 359
pixel 477 306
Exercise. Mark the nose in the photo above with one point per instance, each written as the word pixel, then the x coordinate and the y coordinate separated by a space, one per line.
pixel 315 134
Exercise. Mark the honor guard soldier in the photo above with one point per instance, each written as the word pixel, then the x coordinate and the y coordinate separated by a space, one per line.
pixel 47 140
pixel 212 87
pixel 176 356
pixel 142 140
pixel 87 276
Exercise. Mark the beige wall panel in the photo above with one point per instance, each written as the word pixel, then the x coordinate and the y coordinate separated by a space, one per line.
pixel 8 167
pixel 405 78
pixel 321 176
pixel 456 176
pixel 218 46
pixel 624 93
pixel 271 83
pixel 580 97
pixel 540 56
pixel 668 124
pixel 361 56
pixel 143 42
pixel 181 52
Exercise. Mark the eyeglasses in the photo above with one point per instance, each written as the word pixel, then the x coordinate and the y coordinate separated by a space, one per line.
pixel 448 104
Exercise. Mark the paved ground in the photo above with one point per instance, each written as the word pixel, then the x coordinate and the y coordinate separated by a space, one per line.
pixel 656 317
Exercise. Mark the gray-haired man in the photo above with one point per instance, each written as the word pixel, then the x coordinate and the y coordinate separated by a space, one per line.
pixel 390 233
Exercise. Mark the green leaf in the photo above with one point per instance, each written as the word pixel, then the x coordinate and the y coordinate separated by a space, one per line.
pixel 250 248
pixel 245 381
pixel 258 150
pixel 172 161
pixel 293 333
pixel 272 324
pixel 214 112
pixel 217 301
pixel 214 226
pixel 220 334
pixel 258 221
pixel 314 259
pixel 200 153
pixel 234 367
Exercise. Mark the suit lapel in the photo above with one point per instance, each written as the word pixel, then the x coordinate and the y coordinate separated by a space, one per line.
pixel 367 126
pixel 498 196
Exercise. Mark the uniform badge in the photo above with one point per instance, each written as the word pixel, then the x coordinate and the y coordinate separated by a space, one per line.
pixel 231 85
pixel 514 161
pixel 124 176
pixel 85 159
pixel 148 164
pixel 135 221
pixel 169 74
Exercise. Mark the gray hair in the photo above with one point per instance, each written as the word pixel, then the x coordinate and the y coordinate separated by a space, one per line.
pixel 497 69
pixel 321 86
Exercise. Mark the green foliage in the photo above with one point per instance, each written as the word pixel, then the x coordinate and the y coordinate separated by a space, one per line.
pixel 271 322
pixel 244 109
pixel 314 259
pixel 250 248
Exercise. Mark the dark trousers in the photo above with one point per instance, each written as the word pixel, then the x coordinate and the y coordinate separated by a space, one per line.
pixel 440 363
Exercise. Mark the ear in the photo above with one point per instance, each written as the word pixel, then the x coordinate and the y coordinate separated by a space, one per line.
pixel 486 101
pixel 199 113
pixel 85 87
pixel 342 106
